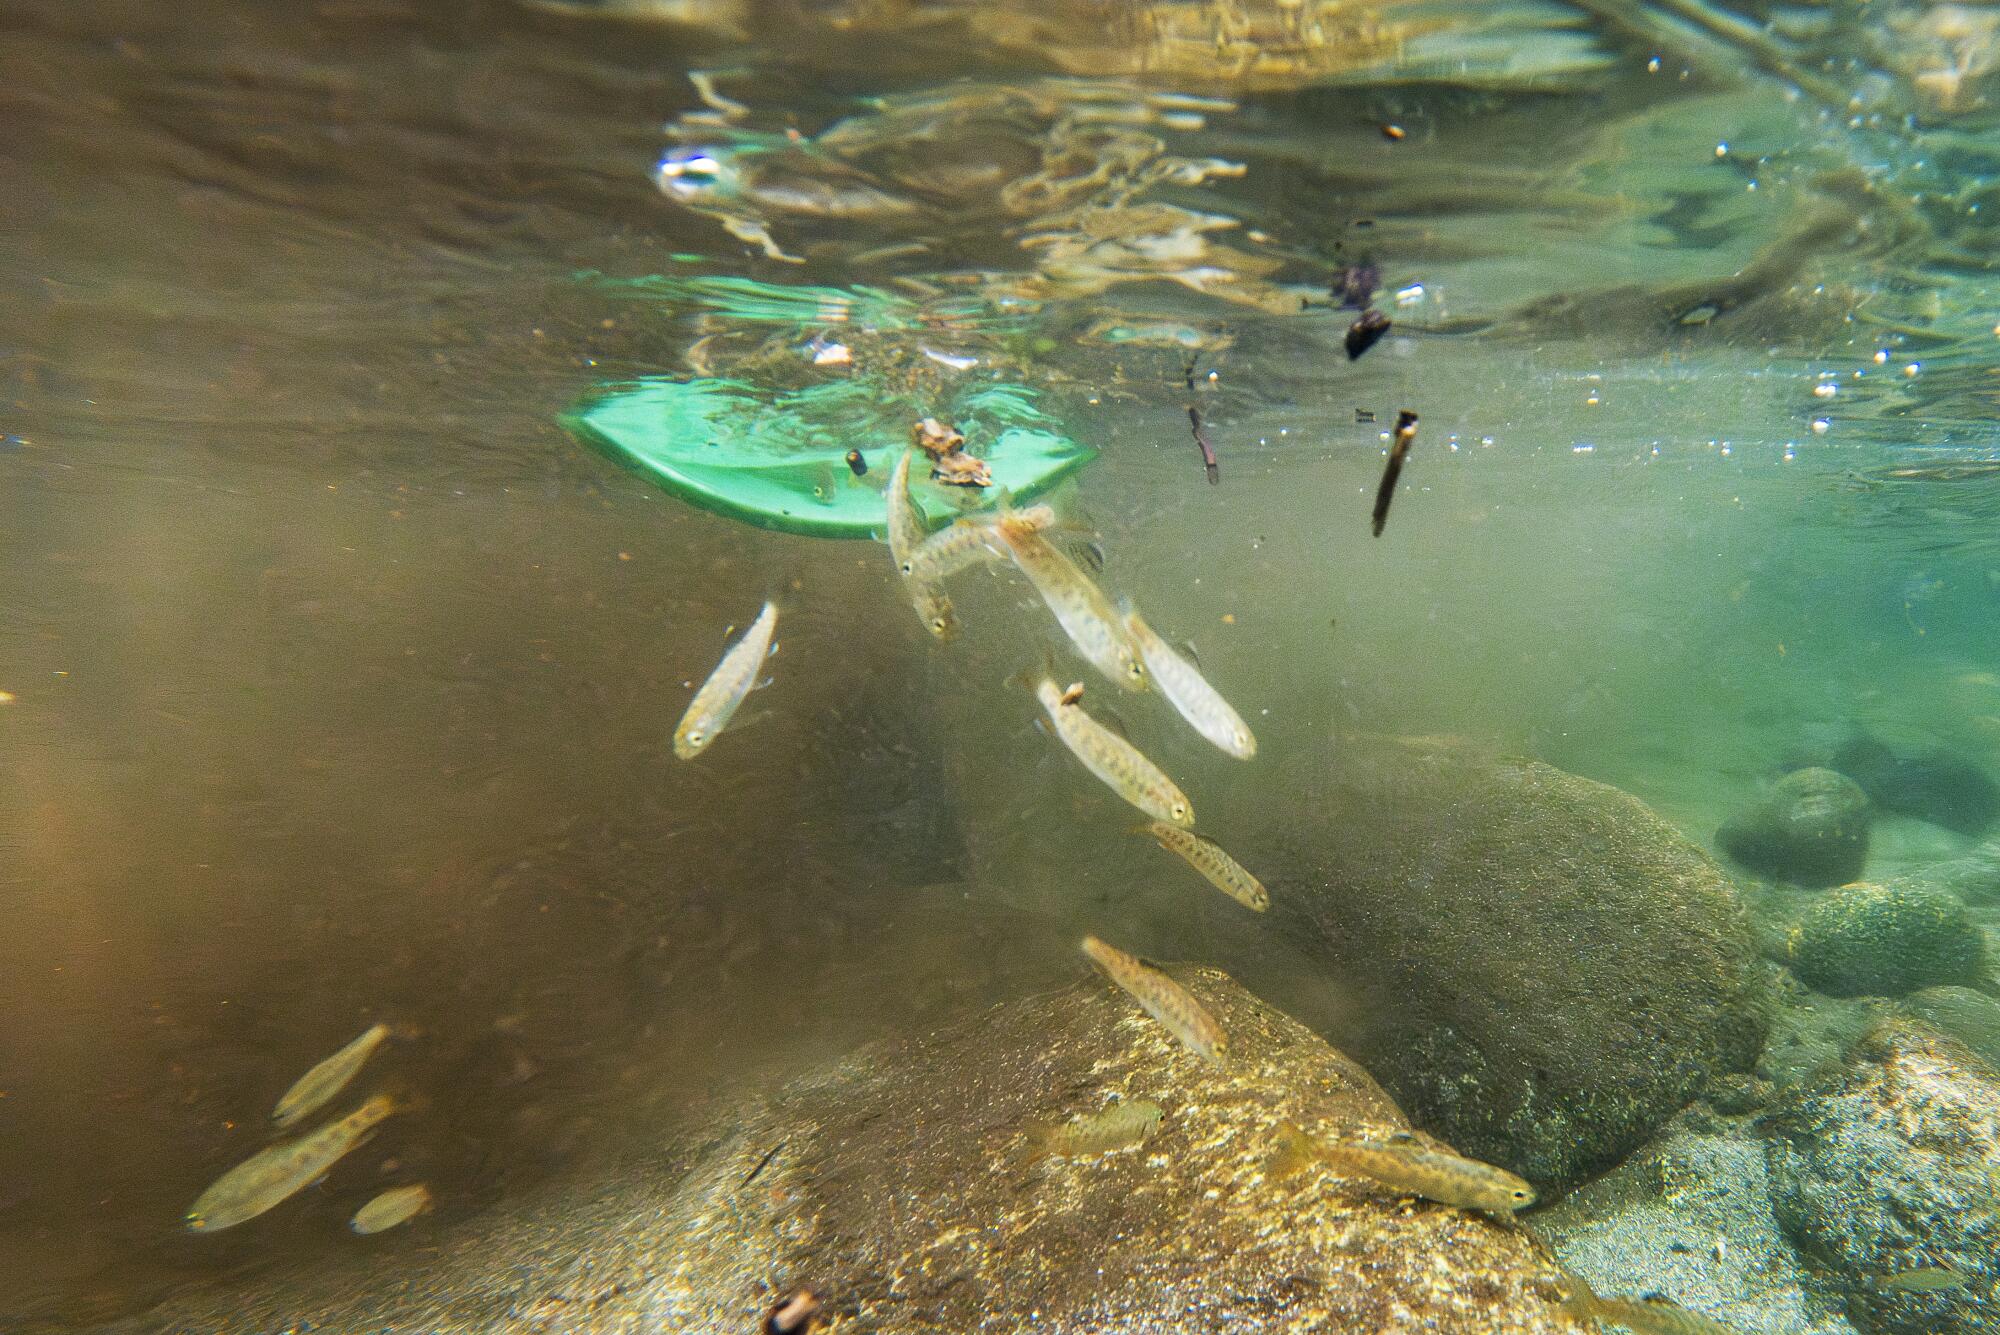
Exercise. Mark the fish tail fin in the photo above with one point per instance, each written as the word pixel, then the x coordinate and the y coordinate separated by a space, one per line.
pixel 1293 1155
pixel 1039 1146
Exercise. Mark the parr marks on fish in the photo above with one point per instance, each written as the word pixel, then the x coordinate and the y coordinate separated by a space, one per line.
pixel 1080 607
pixel 720 696
pixel 1406 1167
pixel 1163 999
pixel 316 1087
pixel 275 1174
pixel 398 1205
pixel 1118 764
pixel 1209 858
pixel 1648 1318
pixel 969 541
pixel 1119 1127
pixel 1189 692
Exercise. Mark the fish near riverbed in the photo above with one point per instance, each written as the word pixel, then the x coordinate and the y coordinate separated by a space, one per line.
pixel 398 1205
pixel 1644 1318
pixel 1118 1127
pixel 1407 1167
pixel 1118 764
pixel 1163 999
pixel 317 1087
pixel 274 1175
pixel 1209 858
pixel 722 694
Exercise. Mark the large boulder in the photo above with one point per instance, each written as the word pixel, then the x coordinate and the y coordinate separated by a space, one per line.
pixel 1810 829
pixel 1542 970
pixel 1890 1167
pixel 895 1186
pixel 1935 785
pixel 1886 940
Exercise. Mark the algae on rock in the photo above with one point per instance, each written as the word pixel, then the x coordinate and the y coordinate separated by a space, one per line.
pixel 892 1184
pixel 1547 971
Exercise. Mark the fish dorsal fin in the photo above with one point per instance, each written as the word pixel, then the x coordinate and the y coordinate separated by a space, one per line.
pixel 1188 650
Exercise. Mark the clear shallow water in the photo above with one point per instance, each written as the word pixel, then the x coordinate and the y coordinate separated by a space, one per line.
pixel 342 679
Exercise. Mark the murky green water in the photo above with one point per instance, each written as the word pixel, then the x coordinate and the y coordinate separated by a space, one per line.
pixel 341 679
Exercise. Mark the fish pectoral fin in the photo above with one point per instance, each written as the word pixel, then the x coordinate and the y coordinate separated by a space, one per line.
pixel 1115 723
pixel 1193 654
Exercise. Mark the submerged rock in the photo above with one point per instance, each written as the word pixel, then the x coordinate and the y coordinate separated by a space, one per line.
pixel 1890 1168
pixel 1811 828
pixel 1689 1216
pixel 1973 1018
pixel 1938 786
pixel 1543 970
pixel 1876 940
pixel 895 1186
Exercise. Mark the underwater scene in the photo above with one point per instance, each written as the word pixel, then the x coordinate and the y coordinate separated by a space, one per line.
pixel 1091 667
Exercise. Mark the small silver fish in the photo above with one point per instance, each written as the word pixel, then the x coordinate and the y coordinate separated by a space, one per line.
pixel 1118 1127
pixel 395 1206
pixel 906 539
pixel 1163 999
pixel 316 1087
pixel 1206 856
pixel 720 696
pixel 968 542
pixel 1117 763
pixel 1189 692
pixel 1407 1167
pixel 274 1175
pixel 1080 607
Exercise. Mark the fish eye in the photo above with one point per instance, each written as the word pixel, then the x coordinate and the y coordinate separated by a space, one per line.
pixel 1180 810
pixel 694 738
pixel 1520 1195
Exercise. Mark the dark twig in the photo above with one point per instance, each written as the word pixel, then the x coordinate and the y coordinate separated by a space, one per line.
pixel 1406 435
pixel 1207 449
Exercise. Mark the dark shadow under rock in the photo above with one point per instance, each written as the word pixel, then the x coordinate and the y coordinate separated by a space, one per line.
pixel 1937 785
pixel 1545 970
pixel 1810 829
pixel 894 1185
pixel 1890 1167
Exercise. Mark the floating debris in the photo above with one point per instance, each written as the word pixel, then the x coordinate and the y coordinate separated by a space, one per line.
pixel 1209 858
pixel 857 463
pixel 1080 607
pixel 1163 999
pixel 1406 435
pixel 1119 1127
pixel 1118 764
pixel 1188 691
pixel 724 691
pixel 317 1087
pixel 398 1205
pixel 275 1174
pixel 1364 416
pixel 1365 333
pixel 1354 285
pixel 1406 1167
pixel 1393 133
pixel 1207 448
pixel 950 464
pixel 796 1315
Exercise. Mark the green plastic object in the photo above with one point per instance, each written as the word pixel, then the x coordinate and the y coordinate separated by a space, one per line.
pixel 778 459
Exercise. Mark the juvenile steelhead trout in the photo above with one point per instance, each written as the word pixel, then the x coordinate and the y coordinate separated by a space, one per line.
pixel 1118 1127
pixel 906 539
pixel 1080 607
pixel 1407 1167
pixel 1189 692
pixel 720 696
pixel 1163 999
pixel 1117 763
pixel 969 541
pixel 317 1086
pixel 1207 857
pixel 273 1175
pixel 1646 1318
pixel 398 1205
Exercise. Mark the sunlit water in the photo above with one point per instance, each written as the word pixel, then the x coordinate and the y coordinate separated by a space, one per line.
pixel 340 679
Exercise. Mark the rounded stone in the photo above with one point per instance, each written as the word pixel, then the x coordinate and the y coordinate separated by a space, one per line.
pixel 1890 1167
pixel 1542 970
pixel 895 1186
pixel 1810 829
pixel 1885 940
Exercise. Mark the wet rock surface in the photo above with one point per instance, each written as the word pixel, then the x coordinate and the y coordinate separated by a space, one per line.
pixel 1971 1017
pixel 1891 1166
pixel 894 1185
pixel 1689 1216
pixel 1811 829
pixel 1874 940
pixel 1544 970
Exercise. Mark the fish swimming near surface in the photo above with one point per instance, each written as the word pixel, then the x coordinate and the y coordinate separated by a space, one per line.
pixel 720 696
pixel 1188 691
pixel 274 1175
pixel 1406 1167
pixel 1118 1127
pixel 398 1205
pixel 1206 856
pixel 907 536
pixel 1080 607
pixel 968 542
pixel 1163 999
pixel 1117 763
pixel 317 1087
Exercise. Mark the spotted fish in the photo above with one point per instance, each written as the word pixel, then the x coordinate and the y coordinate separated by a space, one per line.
pixel 398 1205
pixel 1163 999
pixel 970 541
pixel 316 1087
pixel 906 539
pixel 1080 607
pixel 1206 856
pixel 1121 766
pixel 1118 1127
pixel 274 1175
pixel 1406 1167
pixel 1188 691
pixel 721 695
